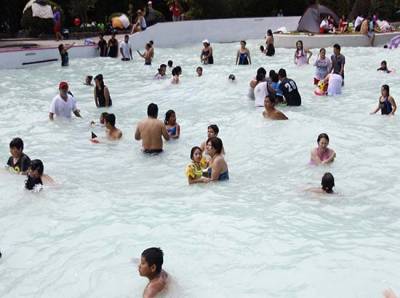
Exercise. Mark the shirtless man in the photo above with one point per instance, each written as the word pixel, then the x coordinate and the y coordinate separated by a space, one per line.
pixel 270 111
pixel 150 131
pixel 365 31
pixel 151 267
pixel 112 132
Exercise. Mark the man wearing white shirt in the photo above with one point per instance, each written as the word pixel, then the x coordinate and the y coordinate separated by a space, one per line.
pixel 126 49
pixel 63 104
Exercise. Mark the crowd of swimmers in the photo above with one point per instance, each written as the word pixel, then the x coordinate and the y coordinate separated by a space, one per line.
pixel 207 160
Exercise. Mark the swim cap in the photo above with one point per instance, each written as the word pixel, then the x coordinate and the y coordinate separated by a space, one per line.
pixel 63 86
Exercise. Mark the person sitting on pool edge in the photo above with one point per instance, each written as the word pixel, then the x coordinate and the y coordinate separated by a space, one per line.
pixel 173 128
pixel 112 132
pixel 150 266
pixel 212 131
pixel 18 162
pixel 322 154
pixel 270 111
pixel 386 102
pixel 36 178
pixel 218 168
pixel 151 131
pixel 327 184
pixel 194 171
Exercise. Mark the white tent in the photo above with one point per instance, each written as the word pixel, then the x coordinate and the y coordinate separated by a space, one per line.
pixel 39 10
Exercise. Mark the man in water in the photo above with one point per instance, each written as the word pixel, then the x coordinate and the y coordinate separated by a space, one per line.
pixel 289 89
pixel 151 130
pixel 151 267
pixel 63 104
pixel 126 49
pixel 112 133
pixel 338 61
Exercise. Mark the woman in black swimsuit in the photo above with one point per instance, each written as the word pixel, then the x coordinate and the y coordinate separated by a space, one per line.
pixel 101 94
pixel 206 56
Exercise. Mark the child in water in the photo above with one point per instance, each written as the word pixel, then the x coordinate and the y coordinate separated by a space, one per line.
pixel 194 171
pixel 327 184
pixel 173 128
pixel 151 267
pixel 176 72
pixel 384 67
pixel 36 178
pixel 88 81
pixel 386 102
pixel 199 71
pixel 18 162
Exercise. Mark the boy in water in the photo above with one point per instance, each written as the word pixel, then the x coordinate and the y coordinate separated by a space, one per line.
pixel 112 132
pixel 151 267
pixel 19 162
pixel 199 71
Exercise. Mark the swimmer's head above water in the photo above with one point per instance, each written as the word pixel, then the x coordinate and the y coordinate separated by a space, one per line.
pixel 152 110
pixel 212 131
pixel 151 262
pixel 328 182
pixel 35 172
pixel 231 77
pixel 199 71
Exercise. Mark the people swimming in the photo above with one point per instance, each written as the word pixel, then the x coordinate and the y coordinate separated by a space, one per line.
pixel 173 128
pixel 218 168
pixel 301 56
pixel 212 131
pixel 151 131
pixel 206 56
pixel 170 63
pixel 386 103
pixel 327 185
pixel 35 176
pixel 176 72
pixel 150 266
pixel 384 67
pixel 322 66
pixel 199 71
pixel 63 104
pixel 231 77
pixel 161 74
pixel 270 111
pixel 63 50
pixel 194 171
pixel 322 154
pixel 147 55
pixel 112 132
pixel 289 89
pixel 88 80
pixel 18 162
pixel 243 54
pixel 269 40
pixel 101 93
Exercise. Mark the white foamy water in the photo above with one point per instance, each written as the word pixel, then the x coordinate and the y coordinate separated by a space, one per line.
pixel 258 235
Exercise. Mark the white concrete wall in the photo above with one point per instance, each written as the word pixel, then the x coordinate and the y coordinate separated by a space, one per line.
pixel 176 34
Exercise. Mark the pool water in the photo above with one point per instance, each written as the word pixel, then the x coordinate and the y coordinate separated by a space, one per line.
pixel 258 235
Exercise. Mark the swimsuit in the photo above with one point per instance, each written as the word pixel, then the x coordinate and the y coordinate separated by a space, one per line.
pixel 64 58
pixel 300 57
pixel 210 59
pixel 385 106
pixel 222 177
pixel 152 151
pixel 243 59
pixel 101 98
pixel 270 50
pixel 172 131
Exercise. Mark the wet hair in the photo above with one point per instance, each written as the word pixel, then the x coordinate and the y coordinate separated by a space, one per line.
pixel 148 45
pixel 152 110
pixel 322 136
pixel 110 118
pixel 269 32
pixel 216 143
pixel 231 77
pixel 175 71
pixel 214 127
pixel 163 66
pixel 386 88
pixel 328 182
pixel 168 115
pixel 17 143
pixel 274 76
pixel 260 77
pixel 31 182
pixel 193 150
pixel 384 62
pixel 151 42
pixel 300 42
pixel 262 70
pixel 336 46
pixel 199 68
pixel 272 99
pixel 262 49
pixel 282 73
pixel 99 78
pixel 60 47
pixel 104 115
pixel 170 63
pixel 178 68
pixel 243 42
pixel 154 256
pixel 89 78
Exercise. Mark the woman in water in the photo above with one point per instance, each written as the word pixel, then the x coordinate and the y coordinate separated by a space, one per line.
pixel 206 56
pixel 300 56
pixel 386 103
pixel 323 66
pixel 384 67
pixel 194 171
pixel 173 128
pixel 270 51
pixel 327 184
pixel 36 178
pixel 101 94
pixel 243 54
pixel 147 55
pixel 270 111
pixel 260 77
pixel 322 154
pixel 218 168
pixel 64 53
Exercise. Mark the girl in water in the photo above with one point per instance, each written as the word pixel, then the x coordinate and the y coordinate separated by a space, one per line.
pixel 300 56
pixel 270 51
pixel 327 185
pixel 173 128
pixel 194 171
pixel 101 93
pixel 386 102
pixel 322 65
pixel 322 154
pixel 218 168
pixel 260 77
pixel 64 53
pixel 243 54
pixel 206 56
pixel 36 178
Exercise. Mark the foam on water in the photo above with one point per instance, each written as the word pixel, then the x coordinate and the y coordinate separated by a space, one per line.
pixel 258 235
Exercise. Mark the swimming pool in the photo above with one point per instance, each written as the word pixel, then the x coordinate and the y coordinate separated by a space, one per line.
pixel 258 235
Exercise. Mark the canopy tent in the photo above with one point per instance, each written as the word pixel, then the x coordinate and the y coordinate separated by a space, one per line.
pixel 40 9
pixel 312 17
